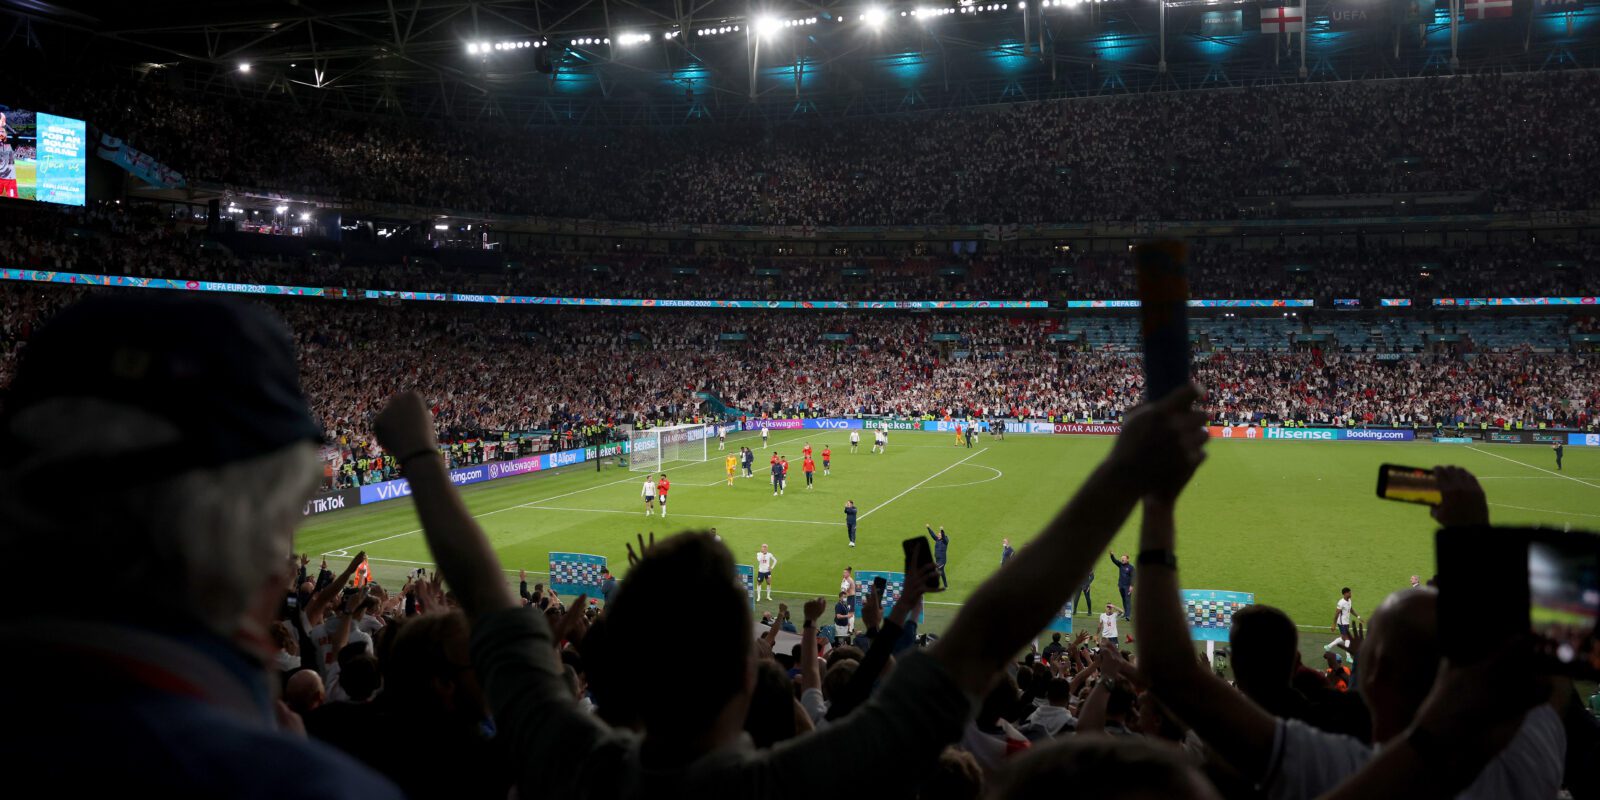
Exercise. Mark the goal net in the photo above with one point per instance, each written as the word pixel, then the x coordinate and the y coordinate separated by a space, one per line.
pixel 651 450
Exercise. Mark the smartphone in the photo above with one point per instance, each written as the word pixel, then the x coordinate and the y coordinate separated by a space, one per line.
pixel 1553 579
pixel 1408 484
pixel 880 585
pixel 1163 315
pixel 918 553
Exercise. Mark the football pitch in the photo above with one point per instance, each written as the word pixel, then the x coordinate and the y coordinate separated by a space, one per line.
pixel 1292 522
pixel 27 179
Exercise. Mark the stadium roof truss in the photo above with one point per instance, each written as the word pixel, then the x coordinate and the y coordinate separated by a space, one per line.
pixel 540 62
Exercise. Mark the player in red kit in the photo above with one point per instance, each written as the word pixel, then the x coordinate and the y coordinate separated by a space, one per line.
pixel 661 493
pixel 809 467
pixel 806 451
pixel 827 456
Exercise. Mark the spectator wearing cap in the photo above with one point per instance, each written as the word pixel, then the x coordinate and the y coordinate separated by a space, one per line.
pixel 199 449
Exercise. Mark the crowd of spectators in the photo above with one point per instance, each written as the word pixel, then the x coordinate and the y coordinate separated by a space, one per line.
pixel 117 240
pixel 490 371
pixel 269 677
pixel 1508 142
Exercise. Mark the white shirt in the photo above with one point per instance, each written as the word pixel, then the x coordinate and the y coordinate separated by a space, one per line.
pixel 323 636
pixel 1309 762
pixel 1344 611
pixel 765 562
pixel 649 488
pixel 763 433
pixel 1108 625
pixel 854 437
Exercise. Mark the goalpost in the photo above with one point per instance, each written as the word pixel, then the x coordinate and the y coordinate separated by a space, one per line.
pixel 651 450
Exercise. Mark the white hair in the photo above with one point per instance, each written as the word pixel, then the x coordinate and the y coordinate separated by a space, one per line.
pixel 196 546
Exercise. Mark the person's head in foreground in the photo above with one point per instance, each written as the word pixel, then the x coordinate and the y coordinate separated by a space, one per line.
pixel 1108 767
pixel 165 439
pixel 190 411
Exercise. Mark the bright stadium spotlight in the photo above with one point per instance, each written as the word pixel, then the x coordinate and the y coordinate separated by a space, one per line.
pixel 281 209
pixel 875 17
pixel 767 26
pixel 245 67
pixel 304 217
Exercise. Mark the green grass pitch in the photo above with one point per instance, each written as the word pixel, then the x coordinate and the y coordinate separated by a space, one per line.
pixel 1292 522
pixel 27 180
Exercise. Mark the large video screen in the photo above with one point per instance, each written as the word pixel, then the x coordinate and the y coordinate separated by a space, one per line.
pixel 42 156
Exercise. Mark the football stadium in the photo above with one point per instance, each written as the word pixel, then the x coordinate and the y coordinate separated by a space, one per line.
pixel 627 399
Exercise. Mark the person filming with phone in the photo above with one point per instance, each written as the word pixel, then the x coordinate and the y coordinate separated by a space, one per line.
pixel 1398 665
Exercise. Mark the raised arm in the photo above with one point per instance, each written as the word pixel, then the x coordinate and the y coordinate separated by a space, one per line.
pixel 405 428
pixel 810 673
pixel 1236 728
pixel 1158 441
pixel 867 673
pixel 325 596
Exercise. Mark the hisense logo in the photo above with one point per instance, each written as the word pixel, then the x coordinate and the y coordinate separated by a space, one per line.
pixel 1300 433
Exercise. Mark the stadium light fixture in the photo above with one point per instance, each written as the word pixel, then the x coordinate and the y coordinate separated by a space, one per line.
pixel 281 209
pixel 441 227
pixel 875 17
pixel 305 217
pixel 245 67
pixel 767 26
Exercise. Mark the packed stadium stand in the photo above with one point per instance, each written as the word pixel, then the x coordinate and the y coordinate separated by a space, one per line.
pixel 477 262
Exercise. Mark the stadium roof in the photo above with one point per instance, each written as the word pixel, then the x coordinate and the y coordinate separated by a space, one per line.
pixel 652 61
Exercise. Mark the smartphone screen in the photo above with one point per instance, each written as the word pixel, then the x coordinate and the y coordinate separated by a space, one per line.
pixel 1564 600
pixel 1408 484
pixel 918 553
pixel 880 585
pixel 1560 605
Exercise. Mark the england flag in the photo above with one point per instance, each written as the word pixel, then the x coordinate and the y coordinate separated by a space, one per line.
pixel 1485 9
pixel 1292 19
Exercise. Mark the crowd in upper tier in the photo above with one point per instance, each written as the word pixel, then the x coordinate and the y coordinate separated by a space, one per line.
pixel 1501 142
pixel 120 240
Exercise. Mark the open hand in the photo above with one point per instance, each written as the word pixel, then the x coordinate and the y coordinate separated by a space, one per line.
pixel 574 622
pixel 644 549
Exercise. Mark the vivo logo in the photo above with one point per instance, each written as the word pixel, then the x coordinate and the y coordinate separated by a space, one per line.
pixel 833 423
pixel 391 490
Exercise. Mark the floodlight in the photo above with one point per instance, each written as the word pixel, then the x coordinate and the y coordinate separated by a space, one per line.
pixel 281 209
pixel 245 67
pixel 875 17
pixel 767 26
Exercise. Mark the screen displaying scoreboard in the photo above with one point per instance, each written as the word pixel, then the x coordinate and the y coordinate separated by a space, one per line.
pixel 42 156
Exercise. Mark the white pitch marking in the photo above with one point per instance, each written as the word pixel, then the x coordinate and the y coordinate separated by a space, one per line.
pixel 1530 466
pixel 344 552
pixel 924 480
